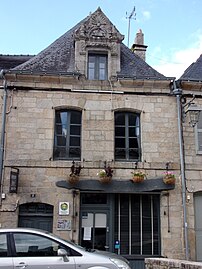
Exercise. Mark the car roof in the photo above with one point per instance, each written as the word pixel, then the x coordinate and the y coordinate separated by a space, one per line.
pixel 34 230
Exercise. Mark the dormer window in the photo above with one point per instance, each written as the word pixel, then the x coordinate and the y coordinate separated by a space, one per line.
pixel 97 66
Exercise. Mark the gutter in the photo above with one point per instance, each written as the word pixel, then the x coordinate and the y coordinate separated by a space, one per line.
pixel 3 126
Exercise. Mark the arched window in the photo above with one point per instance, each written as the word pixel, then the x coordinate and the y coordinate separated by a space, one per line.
pixel 36 215
pixel 67 138
pixel 127 136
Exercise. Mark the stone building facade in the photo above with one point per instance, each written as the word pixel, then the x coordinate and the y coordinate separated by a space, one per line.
pixel 85 104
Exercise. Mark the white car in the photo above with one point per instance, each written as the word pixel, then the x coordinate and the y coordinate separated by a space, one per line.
pixel 35 249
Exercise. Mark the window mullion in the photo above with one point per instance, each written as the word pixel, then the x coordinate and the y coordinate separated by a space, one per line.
pixel 97 60
pixel 119 222
pixel 152 225
pixel 127 136
pixel 141 243
pixel 68 133
pixel 130 225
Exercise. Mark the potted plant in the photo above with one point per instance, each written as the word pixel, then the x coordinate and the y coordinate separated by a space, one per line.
pixel 169 177
pixel 74 175
pixel 138 176
pixel 105 175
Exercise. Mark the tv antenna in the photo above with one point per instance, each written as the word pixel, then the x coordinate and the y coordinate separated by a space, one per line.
pixel 131 16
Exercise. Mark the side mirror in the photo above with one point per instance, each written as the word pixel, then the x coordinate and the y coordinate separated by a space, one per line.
pixel 63 253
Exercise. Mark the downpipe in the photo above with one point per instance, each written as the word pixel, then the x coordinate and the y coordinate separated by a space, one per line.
pixel 3 126
pixel 178 93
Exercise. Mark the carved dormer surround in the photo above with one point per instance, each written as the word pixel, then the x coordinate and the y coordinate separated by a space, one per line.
pixel 97 33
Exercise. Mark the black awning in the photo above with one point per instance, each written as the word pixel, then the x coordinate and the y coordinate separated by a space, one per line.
pixel 118 186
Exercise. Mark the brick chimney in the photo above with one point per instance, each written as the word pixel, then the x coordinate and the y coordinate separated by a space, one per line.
pixel 138 47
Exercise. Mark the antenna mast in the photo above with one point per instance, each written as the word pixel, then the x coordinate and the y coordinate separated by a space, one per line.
pixel 131 16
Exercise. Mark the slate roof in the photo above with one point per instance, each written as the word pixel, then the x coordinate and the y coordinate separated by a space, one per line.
pixel 194 71
pixel 59 58
pixel 132 66
pixel 11 61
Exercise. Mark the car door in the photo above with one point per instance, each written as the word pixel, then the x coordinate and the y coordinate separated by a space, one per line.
pixel 6 262
pixel 36 252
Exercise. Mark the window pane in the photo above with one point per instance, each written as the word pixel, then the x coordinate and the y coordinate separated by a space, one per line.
pixel 75 130
pixel 132 120
pixel 75 117
pixel 120 154
pixel 94 198
pixel 61 117
pixel 60 152
pixel 119 119
pixel 91 74
pixel 133 131
pixel 3 246
pixel 74 152
pixel 120 143
pixel 60 141
pixel 103 61
pixel 133 143
pixel 102 74
pixel 61 129
pixel 120 131
pixel 91 59
pixel 134 154
pixel 74 141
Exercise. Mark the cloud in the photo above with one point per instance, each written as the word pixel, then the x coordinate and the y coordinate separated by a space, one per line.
pixel 176 62
pixel 146 15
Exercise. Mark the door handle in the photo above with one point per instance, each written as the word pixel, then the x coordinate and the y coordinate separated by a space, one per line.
pixel 107 247
pixel 21 265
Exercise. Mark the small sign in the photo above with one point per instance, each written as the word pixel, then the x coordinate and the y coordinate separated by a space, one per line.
pixel 117 244
pixel 64 208
pixel 64 225
pixel 87 233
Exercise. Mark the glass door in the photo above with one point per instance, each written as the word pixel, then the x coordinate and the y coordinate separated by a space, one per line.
pixel 94 230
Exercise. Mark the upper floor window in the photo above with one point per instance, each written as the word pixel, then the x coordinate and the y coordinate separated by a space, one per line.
pixel 199 134
pixel 127 136
pixel 67 138
pixel 97 66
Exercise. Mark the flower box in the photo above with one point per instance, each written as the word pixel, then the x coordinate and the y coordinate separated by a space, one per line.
pixel 137 178
pixel 169 179
pixel 105 179
pixel 73 179
pixel 105 175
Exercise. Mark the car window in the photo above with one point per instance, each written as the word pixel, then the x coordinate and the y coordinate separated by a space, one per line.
pixel 3 246
pixel 35 245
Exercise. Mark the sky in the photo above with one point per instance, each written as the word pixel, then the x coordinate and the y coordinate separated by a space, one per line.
pixel 172 28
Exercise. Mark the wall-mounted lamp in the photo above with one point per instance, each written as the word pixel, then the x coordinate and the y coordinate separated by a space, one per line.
pixel 14 173
pixel 192 111
pixel 189 109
